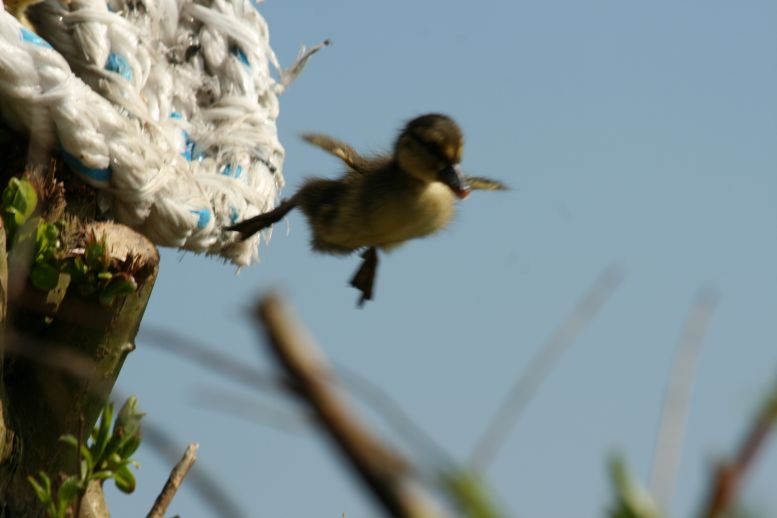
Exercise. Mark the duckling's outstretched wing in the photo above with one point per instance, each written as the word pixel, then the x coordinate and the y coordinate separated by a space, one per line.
pixel 339 149
pixel 485 184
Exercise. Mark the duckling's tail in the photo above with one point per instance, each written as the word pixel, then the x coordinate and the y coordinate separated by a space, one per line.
pixel 249 227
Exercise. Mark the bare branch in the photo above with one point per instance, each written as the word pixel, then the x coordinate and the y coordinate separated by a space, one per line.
pixel 551 351
pixel 677 400
pixel 250 409
pixel 728 478
pixel 174 481
pixel 415 437
pixel 211 359
pixel 380 468
pixel 209 488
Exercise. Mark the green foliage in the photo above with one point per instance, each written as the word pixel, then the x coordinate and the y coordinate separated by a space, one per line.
pixel 631 499
pixel 469 494
pixel 19 200
pixel 106 455
pixel 93 272
pixel 44 273
pixel 56 503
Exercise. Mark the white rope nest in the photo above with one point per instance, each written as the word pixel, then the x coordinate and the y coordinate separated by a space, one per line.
pixel 166 106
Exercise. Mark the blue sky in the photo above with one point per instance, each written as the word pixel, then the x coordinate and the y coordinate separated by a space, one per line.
pixel 632 133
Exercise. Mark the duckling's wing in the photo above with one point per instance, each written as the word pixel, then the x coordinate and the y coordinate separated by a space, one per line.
pixel 485 184
pixel 339 149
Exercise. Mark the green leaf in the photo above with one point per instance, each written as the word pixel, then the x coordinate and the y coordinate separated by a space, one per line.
pixel 43 492
pixel 77 268
pixel 101 475
pixel 631 499
pixel 96 256
pixel 470 494
pixel 124 479
pixel 111 449
pixel 128 420
pixel 51 232
pixel 19 201
pixel 69 490
pixel 44 276
pixel 130 446
pixel 46 239
pixel 87 456
pixel 69 439
pixel 120 285
pixel 101 433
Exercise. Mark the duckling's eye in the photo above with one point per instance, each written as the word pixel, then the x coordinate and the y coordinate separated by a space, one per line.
pixel 431 147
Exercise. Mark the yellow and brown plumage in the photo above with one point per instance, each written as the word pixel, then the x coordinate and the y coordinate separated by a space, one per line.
pixel 382 201
pixel 18 8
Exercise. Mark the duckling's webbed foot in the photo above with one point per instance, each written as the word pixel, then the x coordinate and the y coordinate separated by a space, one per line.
pixel 251 226
pixel 364 278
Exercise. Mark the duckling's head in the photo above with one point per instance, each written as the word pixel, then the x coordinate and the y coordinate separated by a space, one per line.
pixel 429 149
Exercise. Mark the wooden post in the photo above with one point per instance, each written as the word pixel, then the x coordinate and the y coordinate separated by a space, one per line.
pixel 63 354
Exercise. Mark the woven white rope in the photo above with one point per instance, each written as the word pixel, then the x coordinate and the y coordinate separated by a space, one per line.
pixel 167 107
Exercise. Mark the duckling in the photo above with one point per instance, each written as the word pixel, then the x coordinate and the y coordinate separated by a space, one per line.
pixel 18 8
pixel 382 201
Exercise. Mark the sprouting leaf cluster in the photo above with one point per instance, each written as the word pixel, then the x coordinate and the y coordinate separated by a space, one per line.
pixel 469 494
pixel 44 273
pixel 96 273
pixel 91 269
pixel 57 503
pixel 631 499
pixel 106 455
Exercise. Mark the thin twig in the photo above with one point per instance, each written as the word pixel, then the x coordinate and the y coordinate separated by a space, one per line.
pixel 209 358
pixel 212 360
pixel 174 481
pixel 211 491
pixel 729 477
pixel 209 488
pixel 288 75
pixel 250 409
pixel 666 458
pixel 540 366
pixel 379 467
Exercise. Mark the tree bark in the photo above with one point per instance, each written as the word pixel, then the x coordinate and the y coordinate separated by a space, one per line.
pixel 62 355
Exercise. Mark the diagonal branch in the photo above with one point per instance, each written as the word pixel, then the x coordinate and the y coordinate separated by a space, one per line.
pixel 174 482
pixel 729 476
pixel 677 399
pixel 382 470
pixel 540 365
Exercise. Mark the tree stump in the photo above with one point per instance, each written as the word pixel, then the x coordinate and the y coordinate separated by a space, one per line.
pixel 62 355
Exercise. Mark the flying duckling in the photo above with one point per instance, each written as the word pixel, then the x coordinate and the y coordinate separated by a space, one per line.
pixel 381 201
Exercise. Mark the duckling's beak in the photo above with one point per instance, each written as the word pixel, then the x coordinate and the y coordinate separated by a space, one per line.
pixel 453 178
